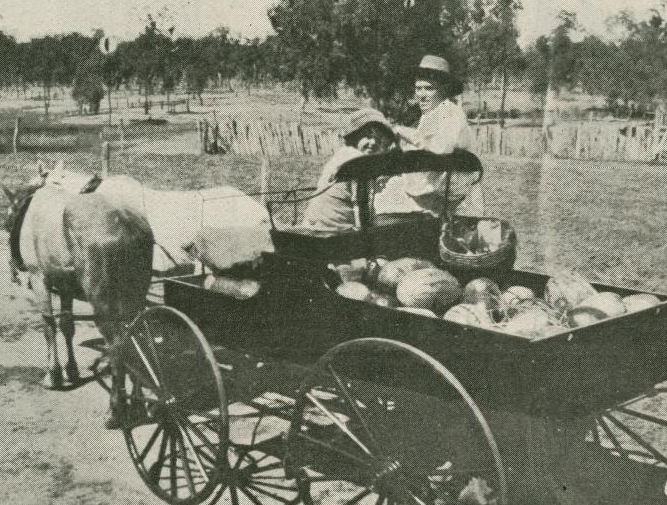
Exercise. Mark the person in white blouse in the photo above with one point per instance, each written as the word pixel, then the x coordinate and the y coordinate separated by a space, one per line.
pixel 442 128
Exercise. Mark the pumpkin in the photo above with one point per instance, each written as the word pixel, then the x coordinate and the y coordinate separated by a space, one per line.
pixel 609 303
pixel 392 272
pixel 566 290
pixel 354 291
pixel 640 301
pixel 469 314
pixel 428 288
pixel 483 291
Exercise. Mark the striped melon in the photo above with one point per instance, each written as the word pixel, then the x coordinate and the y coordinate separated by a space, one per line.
pixel 428 288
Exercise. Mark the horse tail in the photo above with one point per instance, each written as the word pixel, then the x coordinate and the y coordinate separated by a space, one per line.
pixel 112 249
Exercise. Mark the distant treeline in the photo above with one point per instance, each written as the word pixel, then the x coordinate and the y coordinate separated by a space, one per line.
pixel 371 46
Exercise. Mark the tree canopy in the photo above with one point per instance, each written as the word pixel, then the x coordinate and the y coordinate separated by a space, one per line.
pixel 372 46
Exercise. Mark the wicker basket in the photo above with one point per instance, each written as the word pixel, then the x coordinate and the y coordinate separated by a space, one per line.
pixel 454 255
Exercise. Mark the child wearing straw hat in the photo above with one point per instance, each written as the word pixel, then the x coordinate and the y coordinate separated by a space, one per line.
pixel 367 132
pixel 442 128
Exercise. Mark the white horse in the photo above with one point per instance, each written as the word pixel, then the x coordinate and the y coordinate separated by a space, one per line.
pixel 178 219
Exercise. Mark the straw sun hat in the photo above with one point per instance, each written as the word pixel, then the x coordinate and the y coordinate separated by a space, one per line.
pixel 436 68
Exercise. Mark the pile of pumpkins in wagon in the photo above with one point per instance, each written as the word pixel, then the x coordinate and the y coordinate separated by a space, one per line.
pixel 418 286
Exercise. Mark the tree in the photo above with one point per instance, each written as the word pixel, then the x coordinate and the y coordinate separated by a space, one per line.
pixel 151 60
pixel 493 47
pixel 308 32
pixel 48 66
pixel 552 61
pixel 88 81
pixel 195 65
pixel 372 45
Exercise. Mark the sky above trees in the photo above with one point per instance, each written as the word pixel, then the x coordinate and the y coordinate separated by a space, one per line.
pixel 127 18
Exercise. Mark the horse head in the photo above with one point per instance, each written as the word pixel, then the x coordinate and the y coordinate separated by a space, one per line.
pixel 18 202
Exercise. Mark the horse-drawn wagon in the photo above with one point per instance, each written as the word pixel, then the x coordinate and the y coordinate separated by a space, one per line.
pixel 366 404
pixel 299 395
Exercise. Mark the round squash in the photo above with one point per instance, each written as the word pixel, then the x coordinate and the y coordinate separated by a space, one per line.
pixel 640 301
pixel 609 303
pixel 428 288
pixel 392 272
pixel 483 291
pixel 529 323
pixel 354 291
pixel 583 316
pixel 383 300
pixel 566 290
pixel 469 314
pixel 515 294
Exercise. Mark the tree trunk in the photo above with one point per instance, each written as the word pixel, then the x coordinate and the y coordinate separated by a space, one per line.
pixel 146 106
pixel 109 101
pixel 47 97
pixel 201 100
pixel 503 98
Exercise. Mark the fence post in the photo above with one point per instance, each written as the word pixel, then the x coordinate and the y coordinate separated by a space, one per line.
pixel 106 159
pixel 200 126
pixel 121 126
pixel 265 169
pixel 15 138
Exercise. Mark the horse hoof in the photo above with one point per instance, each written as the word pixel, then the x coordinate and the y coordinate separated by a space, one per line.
pixel 112 422
pixel 72 374
pixel 53 380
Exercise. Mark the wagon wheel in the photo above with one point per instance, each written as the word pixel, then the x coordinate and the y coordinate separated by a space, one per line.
pixel 380 422
pixel 173 407
pixel 618 456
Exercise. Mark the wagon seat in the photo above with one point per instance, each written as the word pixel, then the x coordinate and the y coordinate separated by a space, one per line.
pixel 390 235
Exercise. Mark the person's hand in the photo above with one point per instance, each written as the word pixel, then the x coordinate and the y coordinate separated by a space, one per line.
pixel 405 134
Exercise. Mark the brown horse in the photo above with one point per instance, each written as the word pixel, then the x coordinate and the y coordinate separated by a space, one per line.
pixel 89 247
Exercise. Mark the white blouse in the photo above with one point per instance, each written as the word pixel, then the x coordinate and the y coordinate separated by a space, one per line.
pixel 442 130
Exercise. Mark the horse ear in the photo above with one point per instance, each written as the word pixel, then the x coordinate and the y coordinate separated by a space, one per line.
pixel 9 193
pixel 41 169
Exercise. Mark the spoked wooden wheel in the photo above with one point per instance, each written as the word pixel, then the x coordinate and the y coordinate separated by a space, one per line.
pixel 618 456
pixel 382 423
pixel 173 407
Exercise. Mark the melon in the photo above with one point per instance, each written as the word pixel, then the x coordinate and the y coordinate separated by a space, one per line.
pixel 566 290
pixel 607 302
pixel 483 291
pixel 469 314
pixel 418 311
pixel 640 301
pixel 392 272
pixel 530 323
pixel 354 291
pixel 550 331
pixel 515 294
pixel 428 288
pixel 383 300
pixel 583 316
pixel 241 289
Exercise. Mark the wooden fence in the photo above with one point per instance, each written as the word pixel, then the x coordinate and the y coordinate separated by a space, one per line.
pixel 276 138
pixel 599 140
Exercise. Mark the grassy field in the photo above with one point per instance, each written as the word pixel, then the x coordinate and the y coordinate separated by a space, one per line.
pixel 608 220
